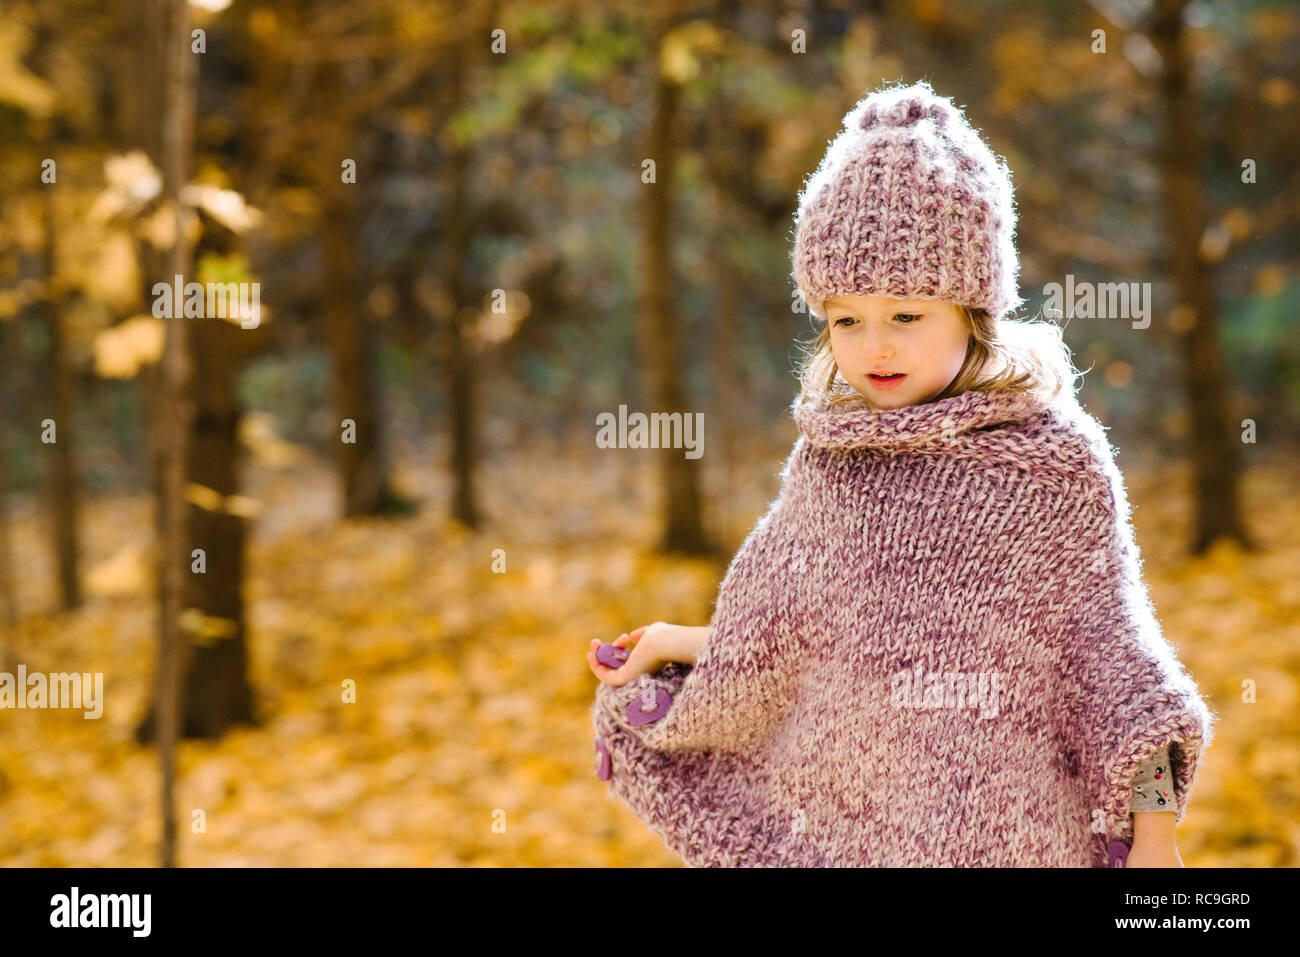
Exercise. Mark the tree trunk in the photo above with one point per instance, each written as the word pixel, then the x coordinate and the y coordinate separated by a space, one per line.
pixel 362 461
pixel 179 68
pixel 61 473
pixel 63 469
pixel 138 99
pixel 726 341
pixel 723 162
pixel 217 693
pixel 1215 443
pixel 457 357
pixel 683 531
pixel 8 597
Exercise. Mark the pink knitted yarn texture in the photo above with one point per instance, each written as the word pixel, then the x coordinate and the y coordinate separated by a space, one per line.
pixel 908 201
pixel 982 534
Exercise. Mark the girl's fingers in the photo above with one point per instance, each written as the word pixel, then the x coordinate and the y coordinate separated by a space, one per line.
pixel 622 641
pixel 600 671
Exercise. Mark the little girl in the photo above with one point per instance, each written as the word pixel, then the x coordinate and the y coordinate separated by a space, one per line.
pixel 936 648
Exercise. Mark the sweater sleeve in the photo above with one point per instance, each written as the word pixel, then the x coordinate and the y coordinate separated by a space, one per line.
pixel 682 778
pixel 1126 693
pixel 734 692
pixel 683 770
pixel 741 681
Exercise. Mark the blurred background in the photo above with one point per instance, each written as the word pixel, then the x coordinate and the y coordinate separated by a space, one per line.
pixel 338 555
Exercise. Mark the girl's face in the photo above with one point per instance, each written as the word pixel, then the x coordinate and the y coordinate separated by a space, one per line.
pixel 923 339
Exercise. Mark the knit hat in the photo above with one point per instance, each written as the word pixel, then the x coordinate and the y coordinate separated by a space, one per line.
pixel 908 201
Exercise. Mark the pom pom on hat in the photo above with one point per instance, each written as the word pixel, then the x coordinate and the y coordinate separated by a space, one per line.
pixel 905 106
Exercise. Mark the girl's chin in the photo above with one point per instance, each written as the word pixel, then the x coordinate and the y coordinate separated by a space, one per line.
pixel 889 400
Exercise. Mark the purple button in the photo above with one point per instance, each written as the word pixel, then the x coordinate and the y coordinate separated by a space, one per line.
pixel 1118 854
pixel 602 760
pixel 637 714
pixel 611 656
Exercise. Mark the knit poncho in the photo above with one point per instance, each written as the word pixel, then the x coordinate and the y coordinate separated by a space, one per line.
pixel 934 649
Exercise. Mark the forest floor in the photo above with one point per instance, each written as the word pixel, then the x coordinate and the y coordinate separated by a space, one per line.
pixel 472 689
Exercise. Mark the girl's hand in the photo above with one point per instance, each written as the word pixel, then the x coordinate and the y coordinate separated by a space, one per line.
pixel 653 646
pixel 1153 854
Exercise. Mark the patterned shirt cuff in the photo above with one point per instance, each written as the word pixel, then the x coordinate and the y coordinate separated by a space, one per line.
pixel 1153 787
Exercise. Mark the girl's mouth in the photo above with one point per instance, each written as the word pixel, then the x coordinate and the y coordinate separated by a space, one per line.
pixel 887 381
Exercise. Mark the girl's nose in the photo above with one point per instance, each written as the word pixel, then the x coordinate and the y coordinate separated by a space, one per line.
pixel 877 346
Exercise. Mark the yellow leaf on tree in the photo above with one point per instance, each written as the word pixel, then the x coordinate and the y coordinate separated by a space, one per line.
pixel 208 499
pixel 123 349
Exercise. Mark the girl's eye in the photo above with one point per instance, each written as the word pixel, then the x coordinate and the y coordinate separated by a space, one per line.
pixel 908 317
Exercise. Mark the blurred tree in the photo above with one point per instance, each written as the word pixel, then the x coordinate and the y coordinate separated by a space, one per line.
pixel 213 667
pixel 660 324
pixel 363 465
pixel 458 316
pixel 1156 47
pixel 217 693
pixel 1216 443
pixel 315 53
pixel 64 488
pixel 178 67
pixel 8 596
pixel 50 132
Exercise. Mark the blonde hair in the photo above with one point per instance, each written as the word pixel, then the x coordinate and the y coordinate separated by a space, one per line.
pixel 1018 355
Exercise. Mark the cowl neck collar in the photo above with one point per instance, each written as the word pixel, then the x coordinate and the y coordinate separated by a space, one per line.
pixel 931 424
